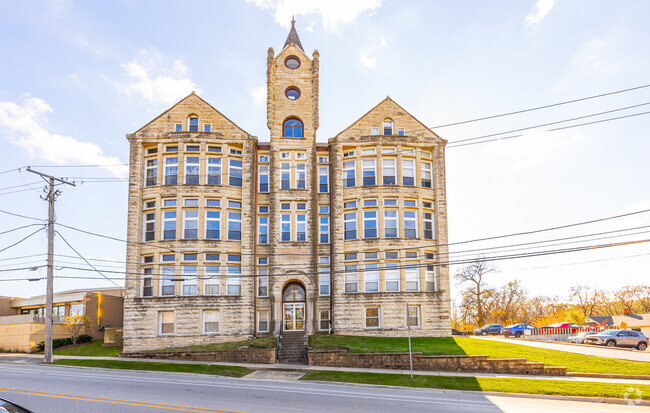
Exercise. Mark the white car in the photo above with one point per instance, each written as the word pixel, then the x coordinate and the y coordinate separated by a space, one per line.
pixel 580 337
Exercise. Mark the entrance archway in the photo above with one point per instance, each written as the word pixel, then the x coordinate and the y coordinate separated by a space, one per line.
pixel 293 304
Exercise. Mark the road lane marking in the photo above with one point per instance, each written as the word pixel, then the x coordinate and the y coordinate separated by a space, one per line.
pixel 115 401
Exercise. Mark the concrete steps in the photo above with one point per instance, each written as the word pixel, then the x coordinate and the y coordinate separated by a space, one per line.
pixel 292 348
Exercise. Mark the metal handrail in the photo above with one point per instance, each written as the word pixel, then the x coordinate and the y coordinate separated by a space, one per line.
pixel 306 339
pixel 277 348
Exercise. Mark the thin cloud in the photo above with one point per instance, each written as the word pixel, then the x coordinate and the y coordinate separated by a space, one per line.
pixel 25 123
pixel 368 61
pixel 161 90
pixel 543 7
pixel 331 12
pixel 259 95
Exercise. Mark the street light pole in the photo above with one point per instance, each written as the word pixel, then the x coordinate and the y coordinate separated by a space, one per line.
pixel 49 296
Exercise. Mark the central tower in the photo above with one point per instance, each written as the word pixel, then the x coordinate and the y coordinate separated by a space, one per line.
pixel 296 166
pixel 292 93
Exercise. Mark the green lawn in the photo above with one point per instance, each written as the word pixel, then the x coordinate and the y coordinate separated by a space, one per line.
pixel 93 349
pixel 433 346
pixel 231 371
pixel 259 342
pixel 503 385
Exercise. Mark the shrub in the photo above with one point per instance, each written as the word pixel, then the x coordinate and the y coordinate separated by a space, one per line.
pixel 84 338
pixel 60 342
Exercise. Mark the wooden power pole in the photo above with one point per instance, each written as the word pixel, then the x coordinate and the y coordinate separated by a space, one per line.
pixel 52 193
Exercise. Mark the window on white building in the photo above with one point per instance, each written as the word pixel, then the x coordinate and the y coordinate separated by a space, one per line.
pixel 234 172
pixel 285 175
pixel 369 172
pixel 301 175
pixel 192 170
pixel 408 172
pixel 190 224
pixel 151 173
pixel 171 170
pixel 389 172
pixel 371 278
pixel 233 280
pixel 323 179
pixel 214 171
pixel 262 321
pixel 426 174
pixel 351 279
pixel 188 285
pixel 166 322
pixel 212 281
pixel 211 321
pixel 392 277
pixel 372 317
pixel 286 227
pixel 212 224
pixel 349 174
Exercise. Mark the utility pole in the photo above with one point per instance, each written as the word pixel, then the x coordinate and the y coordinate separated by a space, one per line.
pixel 49 317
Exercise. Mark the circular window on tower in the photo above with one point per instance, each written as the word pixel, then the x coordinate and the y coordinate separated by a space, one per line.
pixel 292 62
pixel 292 93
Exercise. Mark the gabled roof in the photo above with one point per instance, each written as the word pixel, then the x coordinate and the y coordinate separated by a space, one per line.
pixel 191 95
pixel 293 36
pixel 604 320
pixel 389 100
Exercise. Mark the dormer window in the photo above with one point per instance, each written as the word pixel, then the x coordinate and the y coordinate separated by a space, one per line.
pixel 388 127
pixel 292 128
pixel 193 124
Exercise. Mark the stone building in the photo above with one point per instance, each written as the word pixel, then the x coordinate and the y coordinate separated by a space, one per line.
pixel 231 238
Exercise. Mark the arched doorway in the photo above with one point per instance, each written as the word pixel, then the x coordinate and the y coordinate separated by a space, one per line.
pixel 293 304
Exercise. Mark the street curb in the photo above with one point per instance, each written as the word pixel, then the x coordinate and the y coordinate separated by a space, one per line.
pixel 604 400
pixel 608 376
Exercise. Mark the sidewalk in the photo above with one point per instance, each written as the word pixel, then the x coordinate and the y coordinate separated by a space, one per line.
pixel 37 358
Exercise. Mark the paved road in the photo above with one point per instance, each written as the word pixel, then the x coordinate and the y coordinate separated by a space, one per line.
pixel 586 349
pixel 69 389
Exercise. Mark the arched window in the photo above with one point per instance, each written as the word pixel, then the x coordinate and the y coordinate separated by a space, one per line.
pixel 292 128
pixel 193 123
pixel 388 127
pixel 293 292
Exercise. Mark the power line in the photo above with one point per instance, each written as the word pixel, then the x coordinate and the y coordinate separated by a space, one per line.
pixel 16 243
pixel 428 245
pixel 82 257
pixel 22 185
pixel 404 266
pixel 550 123
pixel 18 228
pixel 21 216
pixel 548 131
pixel 438 255
pixel 539 107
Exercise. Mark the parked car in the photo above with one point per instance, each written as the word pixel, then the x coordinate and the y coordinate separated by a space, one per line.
pixel 7 406
pixel 516 330
pixel 580 337
pixel 619 338
pixel 493 329
pixel 455 332
pixel 564 327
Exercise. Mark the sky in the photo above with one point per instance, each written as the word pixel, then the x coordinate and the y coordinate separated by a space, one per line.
pixel 77 76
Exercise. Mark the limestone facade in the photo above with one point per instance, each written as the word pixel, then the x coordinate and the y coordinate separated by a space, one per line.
pixel 229 237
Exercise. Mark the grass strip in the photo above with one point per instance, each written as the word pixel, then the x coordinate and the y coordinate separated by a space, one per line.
pixel 435 346
pixel 230 371
pixel 502 385
pixel 93 349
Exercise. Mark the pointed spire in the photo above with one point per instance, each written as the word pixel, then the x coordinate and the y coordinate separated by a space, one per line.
pixel 293 36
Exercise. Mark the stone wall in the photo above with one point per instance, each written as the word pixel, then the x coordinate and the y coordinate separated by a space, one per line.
pixel 263 356
pixel 482 364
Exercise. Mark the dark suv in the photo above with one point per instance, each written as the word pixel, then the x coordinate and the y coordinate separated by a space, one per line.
pixel 619 338
pixel 493 329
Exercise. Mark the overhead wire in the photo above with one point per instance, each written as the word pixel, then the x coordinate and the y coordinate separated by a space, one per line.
pixel 82 257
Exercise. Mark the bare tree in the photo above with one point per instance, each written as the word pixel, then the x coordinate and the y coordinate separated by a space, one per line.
pixel 508 301
pixel 476 293
pixel 587 298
